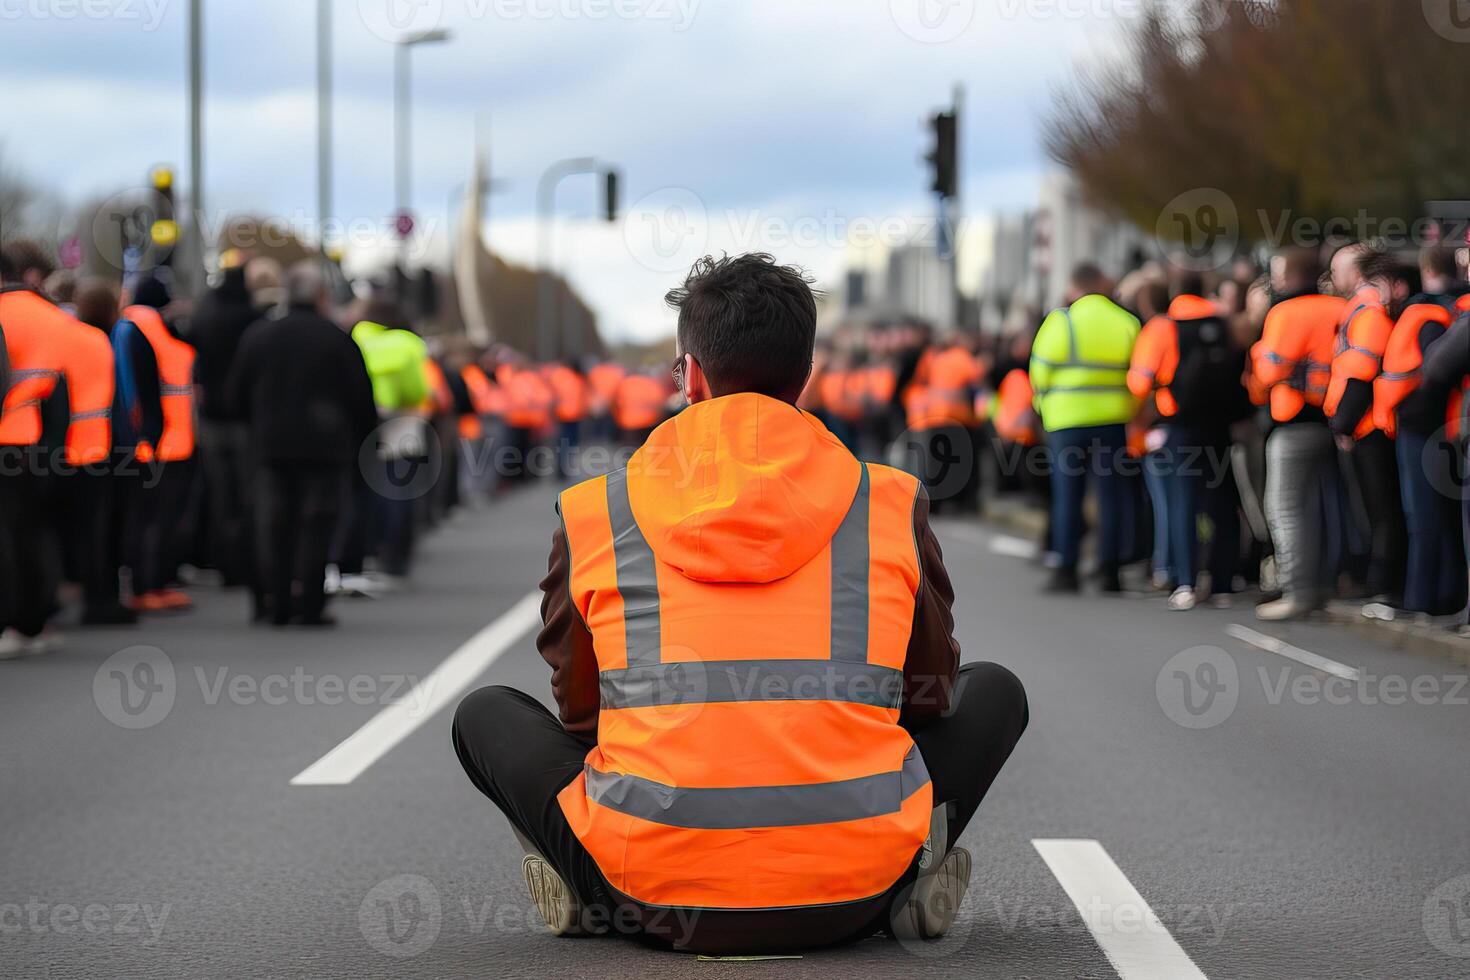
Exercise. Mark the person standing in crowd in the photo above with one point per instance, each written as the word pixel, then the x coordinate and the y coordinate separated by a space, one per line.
pixel 45 351
pixel 1362 275
pixel 952 377
pixel 572 405
pixel 397 361
pixel 165 445
pixel 1292 365
pixel 110 502
pixel 216 329
pixel 1187 362
pixel 1412 411
pixel 1079 372
pixel 301 386
pixel 638 407
pixel 1447 364
pixel 1152 302
pixel 603 380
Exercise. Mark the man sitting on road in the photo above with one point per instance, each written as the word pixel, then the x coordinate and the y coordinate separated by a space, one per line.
pixel 766 741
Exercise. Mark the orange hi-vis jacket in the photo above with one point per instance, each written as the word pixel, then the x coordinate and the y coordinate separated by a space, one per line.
pixel 1155 359
pixel 1015 414
pixel 572 400
pixel 44 344
pixel 639 403
pixel 1401 363
pixel 1292 361
pixel 952 376
pixel 603 380
pixel 750 626
pixel 882 382
pixel 528 399
pixel 485 399
pixel 1362 340
pixel 176 387
pixel 845 394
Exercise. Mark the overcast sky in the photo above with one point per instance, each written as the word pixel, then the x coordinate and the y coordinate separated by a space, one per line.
pixel 787 125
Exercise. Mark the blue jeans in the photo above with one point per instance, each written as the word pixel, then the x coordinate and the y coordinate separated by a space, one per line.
pixel 1435 582
pixel 1153 478
pixel 1183 474
pixel 1076 454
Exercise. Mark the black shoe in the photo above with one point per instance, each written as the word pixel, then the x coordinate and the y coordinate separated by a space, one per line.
pixel 1108 580
pixel 1063 580
pixel 115 614
pixel 320 620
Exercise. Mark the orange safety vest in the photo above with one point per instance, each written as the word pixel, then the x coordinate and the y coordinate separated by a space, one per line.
pixel 952 374
pixel 1015 414
pixel 1401 363
pixel 603 380
pixel 44 344
pixel 882 382
pixel 528 399
pixel 639 403
pixel 176 387
pixel 571 394
pixel 1292 362
pixel 1155 359
pixel 748 750
pixel 844 394
pixel 1362 339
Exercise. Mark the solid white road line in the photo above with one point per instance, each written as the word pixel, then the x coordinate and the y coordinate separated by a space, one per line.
pixel 1280 647
pixel 999 544
pixel 441 686
pixel 1130 934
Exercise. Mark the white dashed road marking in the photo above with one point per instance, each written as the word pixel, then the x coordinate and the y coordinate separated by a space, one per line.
pixel 440 687
pixel 1271 644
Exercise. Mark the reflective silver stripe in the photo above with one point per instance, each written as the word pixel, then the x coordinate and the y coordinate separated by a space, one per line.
pixel 1087 365
pixel 176 389
pixel 1120 389
pixel 1276 358
pixel 849 635
pixel 1399 375
pixel 30 374
pixel 637 575
pixel 746 807
pixel 696 682
pixel 100 413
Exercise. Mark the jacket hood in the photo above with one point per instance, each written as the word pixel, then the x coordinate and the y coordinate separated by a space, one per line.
pixel 742 488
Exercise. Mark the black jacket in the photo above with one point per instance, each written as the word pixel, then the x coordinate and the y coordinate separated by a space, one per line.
pixel 302 387
pixel 215 331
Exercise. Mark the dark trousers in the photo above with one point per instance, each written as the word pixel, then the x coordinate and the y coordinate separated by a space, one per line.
pixel 1435 579
pixel 517 753
pixel 223 448
pixel 107 503
pixel 1078 455
pixel 1375 465
pixel 297 507
pixel 152 549
pixel 25 591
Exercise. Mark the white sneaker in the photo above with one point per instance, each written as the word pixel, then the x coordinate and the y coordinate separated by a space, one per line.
pixel 554 900
pixel 1287 607
pixel 1183 599
pixel 49 641
pixel 1380 611
pixel 12 645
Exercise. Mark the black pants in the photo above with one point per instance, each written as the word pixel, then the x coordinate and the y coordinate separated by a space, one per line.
pixel 25 590
pixel 223 450
pixel 1375 462
pixel 297 507
pixel 517 753
pixel 106 507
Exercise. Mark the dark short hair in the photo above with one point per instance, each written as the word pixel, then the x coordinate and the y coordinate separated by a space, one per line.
pixel 1438 260
pixel 24 255
pixel 1375 263
pixel 750 323
pixel 1088 278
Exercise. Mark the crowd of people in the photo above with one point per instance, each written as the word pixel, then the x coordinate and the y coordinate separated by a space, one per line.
pixel 267 436
pixel 1296 430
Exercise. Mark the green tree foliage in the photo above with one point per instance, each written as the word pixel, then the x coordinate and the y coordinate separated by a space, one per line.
pixel 1298 109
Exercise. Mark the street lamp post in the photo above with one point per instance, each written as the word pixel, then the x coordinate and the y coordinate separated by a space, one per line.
pixel 402 122
pixel 323 121
pixel 553 341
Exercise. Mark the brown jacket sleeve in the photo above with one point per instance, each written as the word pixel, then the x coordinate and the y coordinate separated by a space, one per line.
pixel 933 659
pixel 565 643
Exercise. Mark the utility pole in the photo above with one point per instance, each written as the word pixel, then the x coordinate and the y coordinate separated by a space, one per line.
pixel 323 121
pixel 194 253
pixel 403 134
pixel 551 339
pixel 945 183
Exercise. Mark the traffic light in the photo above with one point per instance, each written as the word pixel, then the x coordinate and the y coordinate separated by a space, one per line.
pixel 610 195
pixel 943 159
pixel 163 229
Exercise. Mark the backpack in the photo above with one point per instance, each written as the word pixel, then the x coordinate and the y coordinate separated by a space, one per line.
pixel 1206 385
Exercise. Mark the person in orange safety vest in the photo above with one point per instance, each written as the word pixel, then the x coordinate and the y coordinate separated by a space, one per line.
pixel 42 348
pixel 640 404
pixel 1364 275
pixel 741 593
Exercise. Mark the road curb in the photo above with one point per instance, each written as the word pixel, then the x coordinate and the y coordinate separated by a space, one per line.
pixel 1411 637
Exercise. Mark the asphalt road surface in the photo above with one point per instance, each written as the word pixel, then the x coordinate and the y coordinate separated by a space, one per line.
pixel 200 798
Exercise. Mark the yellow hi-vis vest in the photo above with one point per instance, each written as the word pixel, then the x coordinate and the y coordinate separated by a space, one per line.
pixel 1079 365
